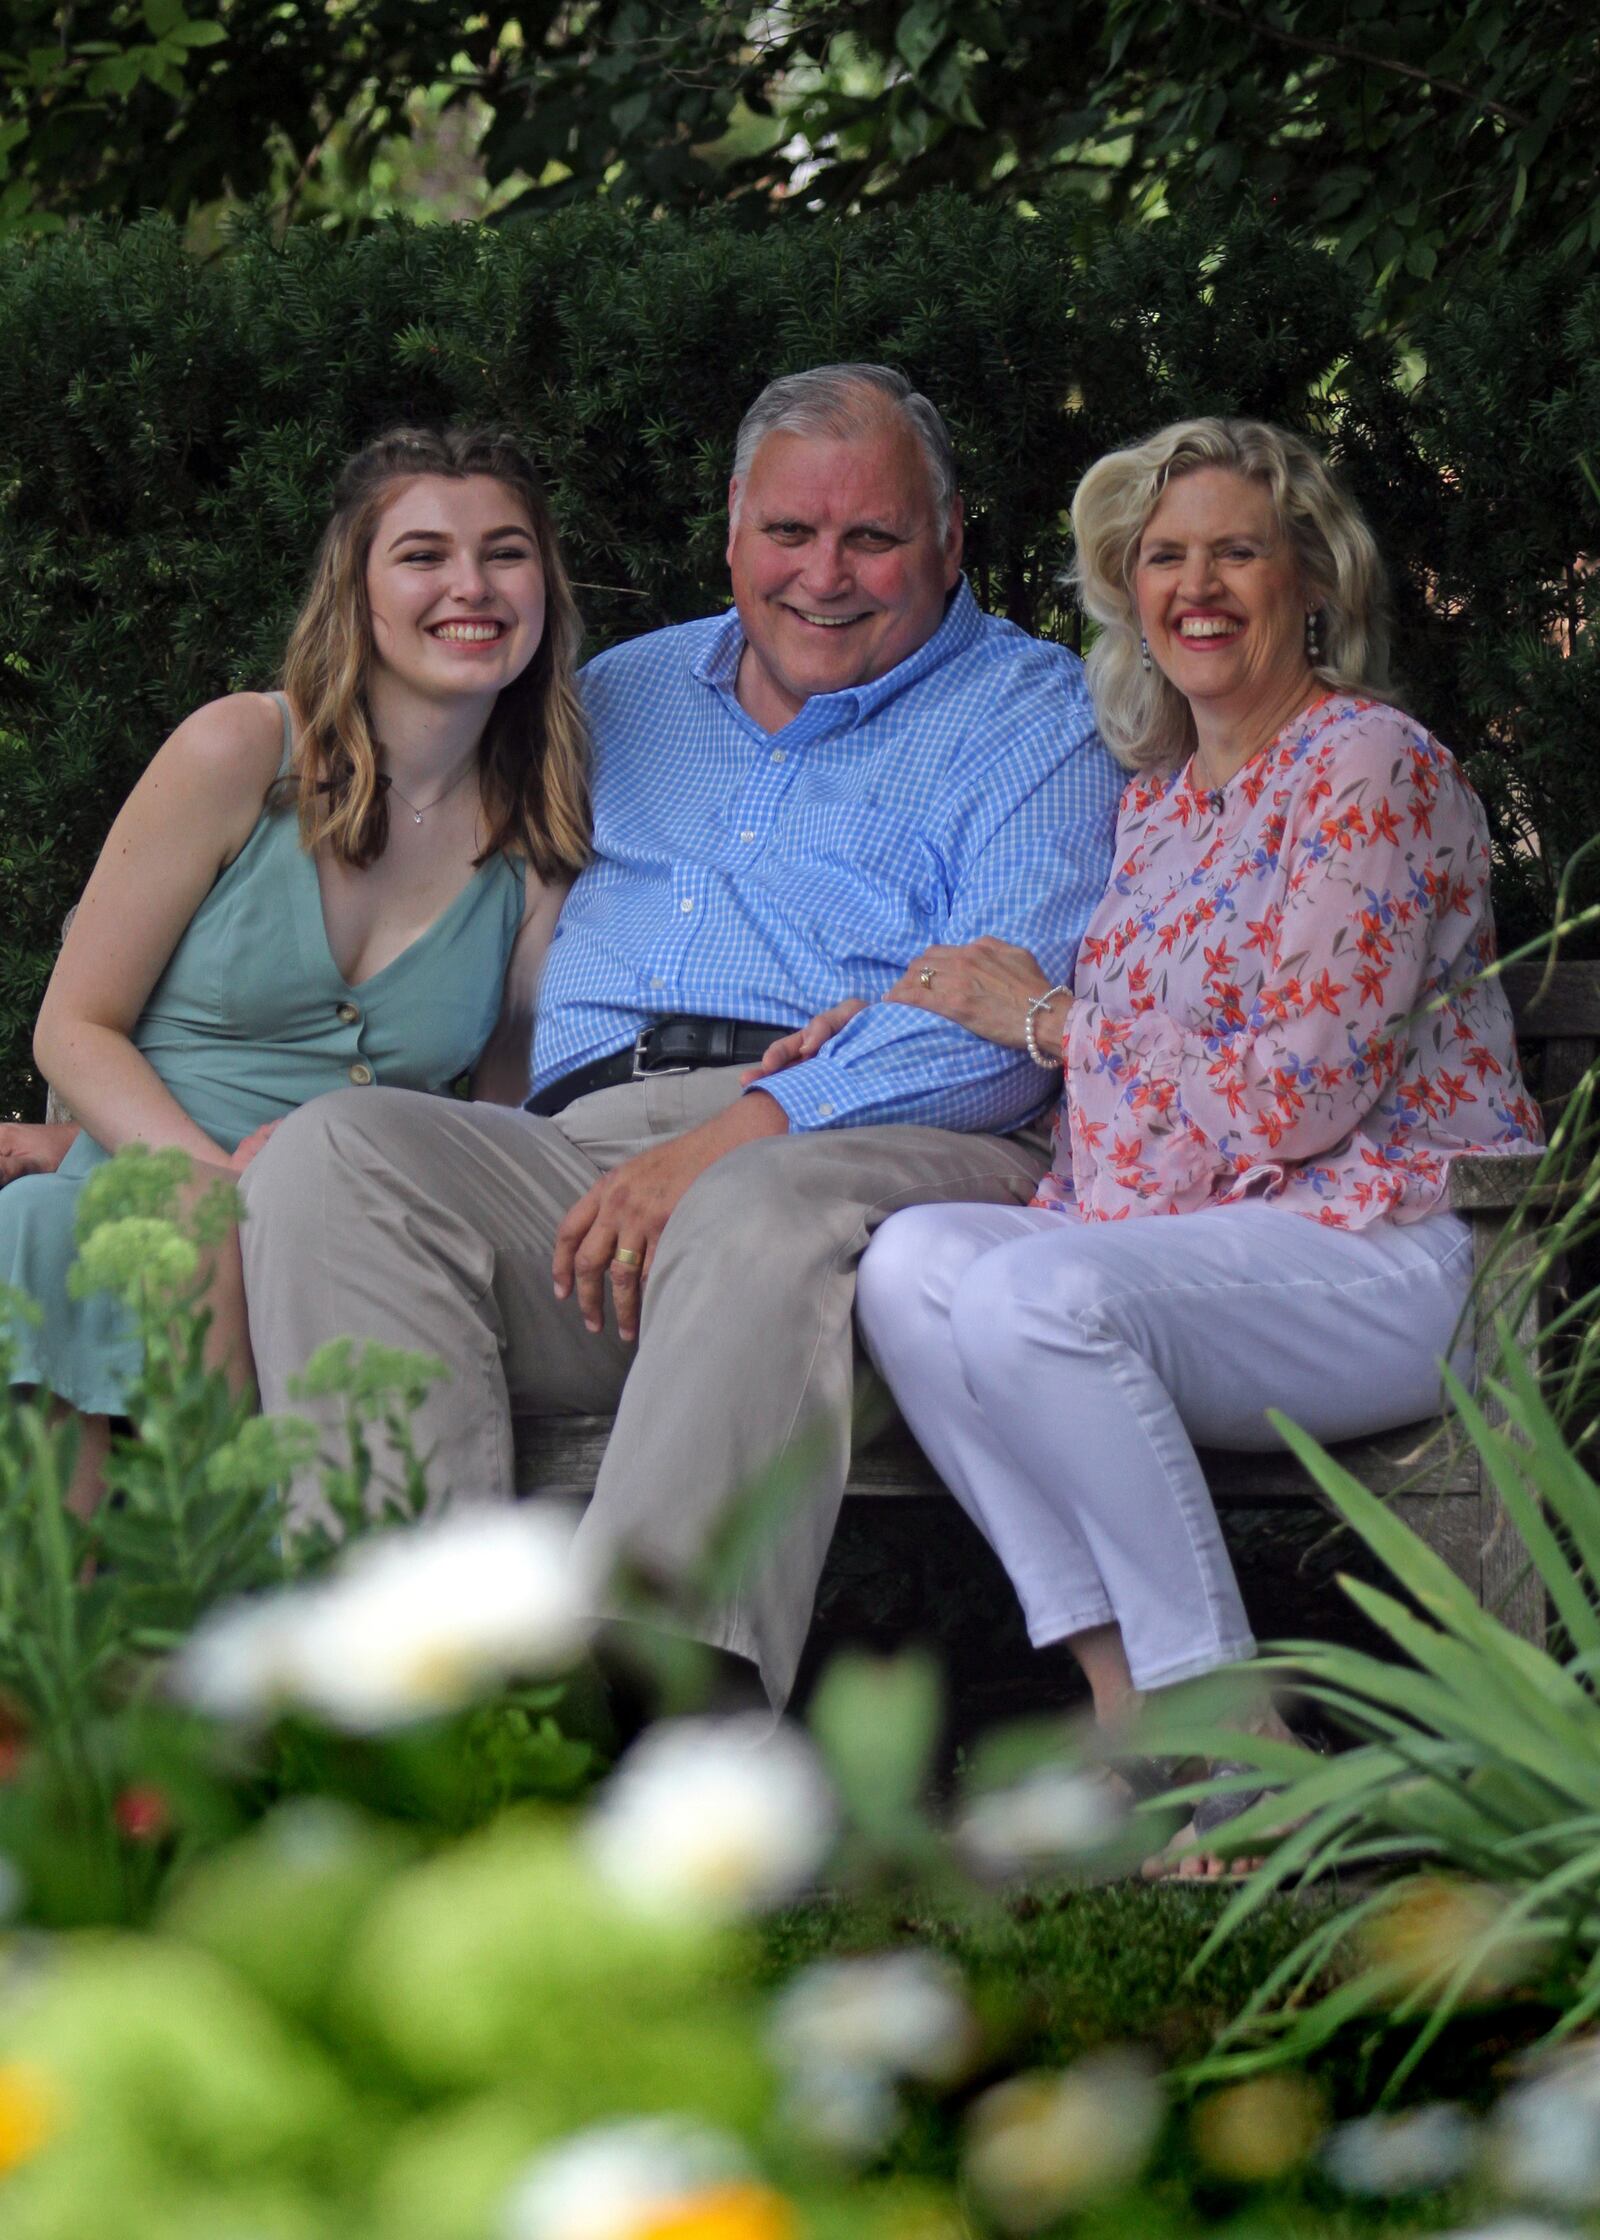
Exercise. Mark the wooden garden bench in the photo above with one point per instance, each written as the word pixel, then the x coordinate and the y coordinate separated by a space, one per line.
pixel 1430 1470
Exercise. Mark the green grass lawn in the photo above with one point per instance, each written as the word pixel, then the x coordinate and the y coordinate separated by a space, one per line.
pixel 1059 1971
pixel 1066 1968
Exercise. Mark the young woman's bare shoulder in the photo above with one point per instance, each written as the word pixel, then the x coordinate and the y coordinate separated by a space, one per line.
pixel 221 760
pixel 239 737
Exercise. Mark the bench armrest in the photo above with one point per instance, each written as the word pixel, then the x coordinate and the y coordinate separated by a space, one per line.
pixel 1499 1182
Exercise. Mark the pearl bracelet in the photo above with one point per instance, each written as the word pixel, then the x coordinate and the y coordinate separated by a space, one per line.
pixel 1063 988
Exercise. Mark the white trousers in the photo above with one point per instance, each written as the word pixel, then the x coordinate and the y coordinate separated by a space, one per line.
pixel 1058 1375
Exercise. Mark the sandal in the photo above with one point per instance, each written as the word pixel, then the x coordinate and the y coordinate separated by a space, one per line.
pixel 1182 1860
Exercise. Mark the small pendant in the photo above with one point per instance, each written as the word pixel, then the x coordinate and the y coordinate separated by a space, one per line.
pixel 416 816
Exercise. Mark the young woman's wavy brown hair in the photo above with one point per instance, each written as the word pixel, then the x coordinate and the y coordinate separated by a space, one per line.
pixel 533 758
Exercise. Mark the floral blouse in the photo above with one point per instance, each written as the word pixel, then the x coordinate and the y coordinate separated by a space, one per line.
pixel 1277 997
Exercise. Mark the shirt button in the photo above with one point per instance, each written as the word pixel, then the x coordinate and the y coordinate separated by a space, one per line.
pixel 687 903
pixel 347 1013
pixel 747 837
pixel 780 754
pixel 361 1075
pixel 824 1112
pixel 658 985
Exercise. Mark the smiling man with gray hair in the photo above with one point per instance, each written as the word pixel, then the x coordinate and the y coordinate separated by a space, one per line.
pixel 792 799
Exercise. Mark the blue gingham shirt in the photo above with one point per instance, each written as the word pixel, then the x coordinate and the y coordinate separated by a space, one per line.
pixel 764 875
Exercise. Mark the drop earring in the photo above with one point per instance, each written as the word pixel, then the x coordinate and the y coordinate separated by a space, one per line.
pixel 1144 654
pixel 1314 636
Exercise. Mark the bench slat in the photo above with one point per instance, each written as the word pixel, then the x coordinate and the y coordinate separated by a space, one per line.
pixel 1497 1182
pixel 561 1455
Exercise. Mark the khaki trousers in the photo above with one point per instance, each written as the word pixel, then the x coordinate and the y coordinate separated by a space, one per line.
pixel 427 1223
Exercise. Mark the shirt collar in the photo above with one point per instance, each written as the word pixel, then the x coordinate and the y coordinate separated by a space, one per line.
pixel 718 664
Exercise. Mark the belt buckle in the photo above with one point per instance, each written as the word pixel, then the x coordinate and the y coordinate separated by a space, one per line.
pixel 642 1069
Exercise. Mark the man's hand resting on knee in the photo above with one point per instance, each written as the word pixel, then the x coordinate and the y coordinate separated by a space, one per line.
pixel 614 1229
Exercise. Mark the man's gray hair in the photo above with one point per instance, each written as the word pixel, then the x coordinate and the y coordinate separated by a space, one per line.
pixel 848 400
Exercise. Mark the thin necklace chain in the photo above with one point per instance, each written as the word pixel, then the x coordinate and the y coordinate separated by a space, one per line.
pixel 428 808
pixel 1202 765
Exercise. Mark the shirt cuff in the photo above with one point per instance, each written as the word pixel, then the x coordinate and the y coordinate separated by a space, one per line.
pixel 809 1101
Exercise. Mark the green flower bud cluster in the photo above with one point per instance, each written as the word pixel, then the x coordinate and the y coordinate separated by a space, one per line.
pixel 143 1261
pixel 267 1453
pixel 366 1374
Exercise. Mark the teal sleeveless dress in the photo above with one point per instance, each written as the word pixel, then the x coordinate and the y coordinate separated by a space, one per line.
pixel 250 1019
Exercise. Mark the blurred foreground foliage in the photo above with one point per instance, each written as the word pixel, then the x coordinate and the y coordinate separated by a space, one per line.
pixel 109 1781
pixel 313 1923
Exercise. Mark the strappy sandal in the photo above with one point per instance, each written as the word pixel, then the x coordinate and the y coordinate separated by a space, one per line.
pixel 1211 1814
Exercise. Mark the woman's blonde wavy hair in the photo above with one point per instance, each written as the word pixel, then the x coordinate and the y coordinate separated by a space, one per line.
pixel 1144 719
pixel 533 758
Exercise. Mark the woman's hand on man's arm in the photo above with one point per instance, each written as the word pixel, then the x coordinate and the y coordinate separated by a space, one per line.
pixel 986 986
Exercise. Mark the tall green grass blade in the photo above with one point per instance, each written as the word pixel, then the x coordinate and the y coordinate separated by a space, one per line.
pixel 1482 1699
pixel 1510 1468
pixel 1561 1478
pixel 1420 1569
pixel 1302 2031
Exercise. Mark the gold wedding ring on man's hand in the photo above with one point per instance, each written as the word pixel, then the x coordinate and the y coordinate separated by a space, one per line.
pixel 926 976
pixel 626 1257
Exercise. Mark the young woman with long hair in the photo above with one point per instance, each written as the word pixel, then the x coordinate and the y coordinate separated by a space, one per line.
pixel 350 880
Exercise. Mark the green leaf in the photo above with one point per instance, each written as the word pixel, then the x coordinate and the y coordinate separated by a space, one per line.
pixel 921 32
pixel 1422 259
pixel 629 114
pixel 196 35
pixel 118 74
pixel 876 1721
pixel 161 68
pixel 948 90
pixel 161 15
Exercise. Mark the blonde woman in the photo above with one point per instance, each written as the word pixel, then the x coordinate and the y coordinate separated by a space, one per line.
pixel 1276 1039
pixel 326 885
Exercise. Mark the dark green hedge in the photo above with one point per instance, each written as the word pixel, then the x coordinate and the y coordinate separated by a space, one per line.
pixel 169 431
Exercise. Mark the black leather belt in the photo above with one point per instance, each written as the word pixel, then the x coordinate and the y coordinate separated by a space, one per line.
pixel 678 1043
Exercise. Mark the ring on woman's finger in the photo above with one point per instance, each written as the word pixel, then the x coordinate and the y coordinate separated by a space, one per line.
pixel 626 1257
pixel 926 976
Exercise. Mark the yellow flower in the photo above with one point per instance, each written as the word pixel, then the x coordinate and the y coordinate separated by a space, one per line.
pixel 1432 1921
pixel 732 2212
pixel 652 2178
pixel 30 2114
pixel 1043 2144
pixel 1252 2133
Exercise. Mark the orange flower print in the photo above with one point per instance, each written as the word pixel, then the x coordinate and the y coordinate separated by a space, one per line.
pixel 1305 966
pixel 1264 932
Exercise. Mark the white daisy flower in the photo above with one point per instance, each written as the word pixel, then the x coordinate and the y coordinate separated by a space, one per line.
pixel 718 1817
